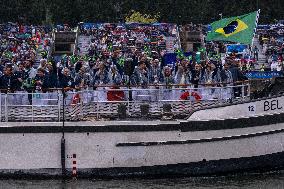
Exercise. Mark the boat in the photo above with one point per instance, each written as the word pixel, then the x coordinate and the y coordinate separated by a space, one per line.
pixel 221 138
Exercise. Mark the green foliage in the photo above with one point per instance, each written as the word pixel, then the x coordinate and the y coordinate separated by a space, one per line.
pixel 141 18
pixel 182 11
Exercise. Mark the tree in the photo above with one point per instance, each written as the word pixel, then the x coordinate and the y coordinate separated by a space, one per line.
pixel 181 12
pixel 141 18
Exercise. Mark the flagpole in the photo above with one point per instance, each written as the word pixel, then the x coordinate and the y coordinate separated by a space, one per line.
pixel 256 23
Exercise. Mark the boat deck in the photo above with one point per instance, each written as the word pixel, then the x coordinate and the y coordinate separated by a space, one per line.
pixel 91 123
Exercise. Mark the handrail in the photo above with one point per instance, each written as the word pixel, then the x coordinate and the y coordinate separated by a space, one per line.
pixel 96 102
pixel 135 86
pixel 188 87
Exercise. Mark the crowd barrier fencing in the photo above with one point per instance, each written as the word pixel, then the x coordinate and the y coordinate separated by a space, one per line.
pixel 104 101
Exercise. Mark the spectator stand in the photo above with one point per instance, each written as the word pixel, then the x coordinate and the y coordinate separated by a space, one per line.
pixel 271 41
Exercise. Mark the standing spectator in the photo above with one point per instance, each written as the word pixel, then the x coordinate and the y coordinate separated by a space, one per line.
pixel 28 83
pixel 42 63
pixel 197 75
pixel 227 81
pixel 155 72
pixel 7 80
pixel 114 76
pixel 183 75
pixel 168 80
pixel 66 81
pixel 21 97
pixel 237 77
pixel 101 76
pixel 255 53
pixel 140 78
pixel 51 76
pixel 20 75
pixel 140 75
pixel 41 80
pixel 30 71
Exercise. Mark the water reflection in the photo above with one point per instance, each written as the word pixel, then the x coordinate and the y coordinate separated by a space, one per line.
pixel 248 181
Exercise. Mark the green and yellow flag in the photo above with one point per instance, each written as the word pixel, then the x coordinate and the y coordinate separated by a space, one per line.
pixel 239 29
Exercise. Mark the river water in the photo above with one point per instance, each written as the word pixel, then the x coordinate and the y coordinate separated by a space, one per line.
pixel 273 180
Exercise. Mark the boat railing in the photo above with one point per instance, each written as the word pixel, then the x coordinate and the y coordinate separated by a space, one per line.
pixel 105 101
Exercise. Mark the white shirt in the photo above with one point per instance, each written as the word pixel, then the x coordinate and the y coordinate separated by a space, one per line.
pixel 274 66
pixel 279 66
pixel 32 73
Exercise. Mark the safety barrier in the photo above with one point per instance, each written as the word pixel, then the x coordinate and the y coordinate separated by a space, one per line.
pixel 104 102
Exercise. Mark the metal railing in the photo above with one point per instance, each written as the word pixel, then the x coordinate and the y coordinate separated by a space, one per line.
pixel 38 106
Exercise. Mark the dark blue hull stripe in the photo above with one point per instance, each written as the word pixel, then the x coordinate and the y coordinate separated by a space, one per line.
pixel 186 126
pixel 199 140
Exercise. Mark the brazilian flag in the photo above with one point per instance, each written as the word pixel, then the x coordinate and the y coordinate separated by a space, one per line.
pixel 239 29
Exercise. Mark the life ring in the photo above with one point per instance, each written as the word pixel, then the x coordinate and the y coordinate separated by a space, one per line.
pixel 76 99
pixel 187 94
pixel 196 96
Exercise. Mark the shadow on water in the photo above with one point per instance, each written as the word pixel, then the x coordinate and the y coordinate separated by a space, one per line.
pixel 273 180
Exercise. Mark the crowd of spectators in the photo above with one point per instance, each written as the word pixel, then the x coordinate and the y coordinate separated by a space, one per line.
pixel 119 55
pixel 271 38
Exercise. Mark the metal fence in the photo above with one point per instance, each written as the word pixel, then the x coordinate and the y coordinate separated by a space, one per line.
pixel 104 102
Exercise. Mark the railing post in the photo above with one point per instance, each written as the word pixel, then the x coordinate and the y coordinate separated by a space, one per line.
pixel 6 107
pixel 0 107
pixel 97 103
pixel 220 94
pixel 128 100
pixel 248 90
pixel 159 98
pixel 32 106
pixel 81 115
pixel 243 90
pixel 59 104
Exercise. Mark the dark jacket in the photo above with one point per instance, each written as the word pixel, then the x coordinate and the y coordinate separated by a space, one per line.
pixel 44 82
pixel 8 82
pixel 237 74
pixel 66 81
pixel 52 80
pixel 20 74
pixel 197 77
